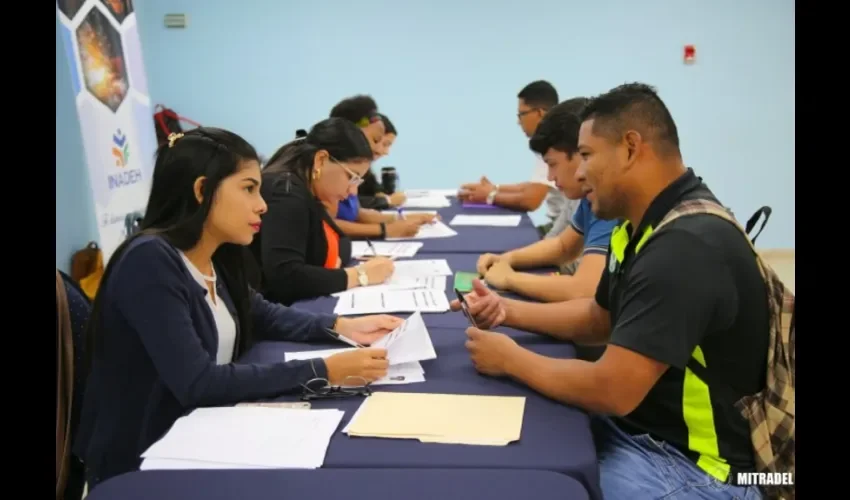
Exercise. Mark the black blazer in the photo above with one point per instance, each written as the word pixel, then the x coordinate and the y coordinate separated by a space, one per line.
pixel 158 361
pixel 291 247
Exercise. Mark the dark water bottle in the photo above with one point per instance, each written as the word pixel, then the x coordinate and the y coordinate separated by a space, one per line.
pixel 389 179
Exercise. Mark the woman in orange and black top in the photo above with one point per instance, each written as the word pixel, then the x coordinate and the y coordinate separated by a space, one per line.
pixel 302 253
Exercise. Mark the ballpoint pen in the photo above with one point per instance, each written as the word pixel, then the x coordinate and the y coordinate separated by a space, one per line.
pixel 400 214
pixel 371 247
pixel 343 338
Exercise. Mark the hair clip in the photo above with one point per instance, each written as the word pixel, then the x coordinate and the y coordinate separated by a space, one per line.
pixel 172 138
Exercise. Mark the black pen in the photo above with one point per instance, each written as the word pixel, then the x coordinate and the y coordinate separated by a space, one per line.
pixel 399 378
pixel 371 247
pixel 342 338
pixel 465 307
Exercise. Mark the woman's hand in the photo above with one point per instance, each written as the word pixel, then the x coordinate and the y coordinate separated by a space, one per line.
pixel 367 329
pixel 354 366
pixel 378 269
pixel 403 228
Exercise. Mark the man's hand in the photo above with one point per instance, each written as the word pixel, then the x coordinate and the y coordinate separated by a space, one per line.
pixel 475 193
pixel 489 351
pixel 485 306
pixel 367 329
pixel 485 261
pixel 499 275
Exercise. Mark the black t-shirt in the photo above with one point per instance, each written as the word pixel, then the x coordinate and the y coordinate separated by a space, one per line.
pixel 291 247
pixel 693 289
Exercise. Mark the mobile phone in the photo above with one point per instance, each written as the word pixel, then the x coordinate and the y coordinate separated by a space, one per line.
pixel 465 308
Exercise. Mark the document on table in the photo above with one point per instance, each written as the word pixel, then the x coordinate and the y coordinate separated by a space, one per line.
pixel 392 301
pixel 245 437
pixel 403 283
pixel 431 201
pixel 385 249
pixel 403 373
pixel 411 341
pixel 486 220
pixel 421 268
pixel 436 229
pixel 440 418
pixel 430 193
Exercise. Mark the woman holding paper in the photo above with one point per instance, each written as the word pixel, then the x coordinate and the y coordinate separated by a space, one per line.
pixel 301 250
pixel 174 310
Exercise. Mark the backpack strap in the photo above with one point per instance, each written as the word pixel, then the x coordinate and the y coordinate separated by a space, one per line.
pixel 766 211
pixel 770 413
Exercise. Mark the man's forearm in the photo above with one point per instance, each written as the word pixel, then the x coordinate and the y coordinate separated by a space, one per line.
pixel 581 320
pixel 571 381
pixel 521 199
pixel 541 253
pixel 548 288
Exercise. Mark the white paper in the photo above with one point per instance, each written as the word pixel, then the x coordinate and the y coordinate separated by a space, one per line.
pixel 409 342
pixel 427 202
pixel 404 283
pixel 398 373
pixel 421 268
pixel 252 436
pixel 437 229
pixel 430 193
pixel 410 212
pixel 394 301
pixel 385 249
pixel 486 220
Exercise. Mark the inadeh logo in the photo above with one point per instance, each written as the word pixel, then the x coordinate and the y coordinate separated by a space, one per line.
pixel 121 153
pixel 120 148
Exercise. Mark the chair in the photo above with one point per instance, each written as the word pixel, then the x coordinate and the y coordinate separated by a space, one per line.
pixel 72 313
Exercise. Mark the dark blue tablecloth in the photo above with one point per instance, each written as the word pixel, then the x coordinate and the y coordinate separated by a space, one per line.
pixel 555 436
pixel 475 239
pixel 458 262
pixel 341 484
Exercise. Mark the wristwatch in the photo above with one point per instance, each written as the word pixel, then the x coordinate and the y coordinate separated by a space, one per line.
pixel 492 196
pixel 362 278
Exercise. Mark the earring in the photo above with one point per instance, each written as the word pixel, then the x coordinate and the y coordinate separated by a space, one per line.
pixel 317 174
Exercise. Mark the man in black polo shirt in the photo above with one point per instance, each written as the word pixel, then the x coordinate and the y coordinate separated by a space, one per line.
pixel 690 293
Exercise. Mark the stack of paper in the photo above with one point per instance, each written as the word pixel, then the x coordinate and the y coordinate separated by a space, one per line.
pixel 427 193
pixel 245 437
pixel 486 220
pixel 440 418
pixel 384 249
pixel 408 275
pixel 392 301
pixel 430 201
pixel 406 346
pixel 403 283
pixel 436 229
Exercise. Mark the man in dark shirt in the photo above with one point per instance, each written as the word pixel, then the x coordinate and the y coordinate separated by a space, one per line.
pixel 691 293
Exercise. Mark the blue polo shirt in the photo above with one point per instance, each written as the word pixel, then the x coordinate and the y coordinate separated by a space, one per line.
pixel 348 208
pixel 596 231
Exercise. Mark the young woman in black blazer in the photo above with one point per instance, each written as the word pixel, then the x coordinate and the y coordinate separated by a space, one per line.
pixel 302 252
pixel 174 311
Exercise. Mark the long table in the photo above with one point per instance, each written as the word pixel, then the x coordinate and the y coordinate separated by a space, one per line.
pixel 457 262
pixel 479 239
pixel 555 437
pixel 341 484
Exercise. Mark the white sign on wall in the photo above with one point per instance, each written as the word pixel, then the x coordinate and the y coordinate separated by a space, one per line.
pixel 116 118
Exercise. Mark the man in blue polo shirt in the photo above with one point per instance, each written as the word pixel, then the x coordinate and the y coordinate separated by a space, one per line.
pixel 586 238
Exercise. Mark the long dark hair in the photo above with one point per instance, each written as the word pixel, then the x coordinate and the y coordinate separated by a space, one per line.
pixel 343 141
pixel 174 213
